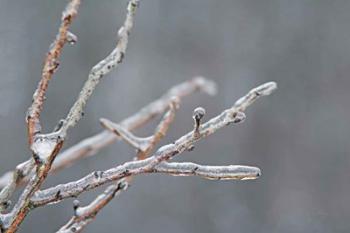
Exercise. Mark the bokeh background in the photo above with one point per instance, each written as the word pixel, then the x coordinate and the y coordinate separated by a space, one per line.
pixel 298 136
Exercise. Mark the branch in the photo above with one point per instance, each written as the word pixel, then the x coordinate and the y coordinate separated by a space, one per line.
pixel 103 67
pixel 92 145
pixel 84 215
pixel 45 147
pixel 144 146
pixel 51 64
pixel 96 179
pixel 227 172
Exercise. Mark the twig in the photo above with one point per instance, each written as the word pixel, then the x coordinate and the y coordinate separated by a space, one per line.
pixel 103 67
pixel 92 145
pixel 96 179
pixel 227 172
pixel 50 66
pixel 84 215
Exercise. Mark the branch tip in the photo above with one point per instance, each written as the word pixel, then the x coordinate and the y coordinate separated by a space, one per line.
pixel 197 116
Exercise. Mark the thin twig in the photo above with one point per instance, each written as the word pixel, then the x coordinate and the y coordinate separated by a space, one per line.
pixel 227 172
pixel 96 179
pixel 84 215
pixel 103 67
pixel 50 66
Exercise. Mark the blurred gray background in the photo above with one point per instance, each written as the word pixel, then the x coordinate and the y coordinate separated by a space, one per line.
pixel 298 136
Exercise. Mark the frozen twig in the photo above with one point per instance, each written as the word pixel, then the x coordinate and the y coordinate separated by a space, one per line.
pixel 45 147
pixel 96 179
pixel 103 67
pixel 50 66
pixel 84 215
pixel 92 145
pixel 227 172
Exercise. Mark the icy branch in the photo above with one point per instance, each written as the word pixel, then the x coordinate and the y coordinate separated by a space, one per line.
pixel 103 67
pixel 144 147
pixel 92 145
pixel 51 64
pixel 96 179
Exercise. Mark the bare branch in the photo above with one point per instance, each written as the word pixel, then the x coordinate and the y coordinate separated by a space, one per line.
pixel 92 145
pixel 84 215
pixel 44 147
pixel 103 67
pixel 50 66
pixel 227 172
pixel 147 165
